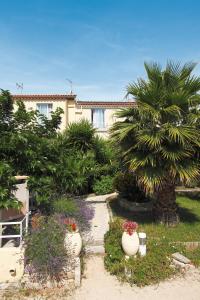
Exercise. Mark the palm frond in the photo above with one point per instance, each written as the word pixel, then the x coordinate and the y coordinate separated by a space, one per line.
pixel 160 136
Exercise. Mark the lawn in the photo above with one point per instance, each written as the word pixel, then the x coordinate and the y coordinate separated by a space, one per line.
pixel 187 230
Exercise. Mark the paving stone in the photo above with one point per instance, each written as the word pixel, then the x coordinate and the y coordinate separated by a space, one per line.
pixel 178 264
pixel 181 258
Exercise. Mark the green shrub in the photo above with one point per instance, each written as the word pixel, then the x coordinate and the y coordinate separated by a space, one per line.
pixel 126 185
pixel 45 254
pixel 152 268
pixel 65 206
pixel 104 185
pixel 7 186
pixel 79 135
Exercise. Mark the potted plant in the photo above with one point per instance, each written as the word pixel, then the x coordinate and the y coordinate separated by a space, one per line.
pixel 73 240
pixel 130 239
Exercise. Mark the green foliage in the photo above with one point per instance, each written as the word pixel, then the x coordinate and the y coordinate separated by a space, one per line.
pixel 80 135
pixel 104 152
pixel 74 171
pixel 104 185
pixel 7 186
pixel 23 147
pixel 66 206
pixel 6 111
pixel 152 268
pixel 45 253
pixel 56 163
pixel 127 186
pixel 159 137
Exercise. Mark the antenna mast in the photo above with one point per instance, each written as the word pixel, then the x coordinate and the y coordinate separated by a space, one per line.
pixel 71 86
pixel 20 86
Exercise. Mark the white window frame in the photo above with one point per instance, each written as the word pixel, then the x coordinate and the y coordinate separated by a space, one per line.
pixel 49 109
pixel 92 118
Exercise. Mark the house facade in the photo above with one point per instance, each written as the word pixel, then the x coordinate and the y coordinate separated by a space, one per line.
pixel 100 114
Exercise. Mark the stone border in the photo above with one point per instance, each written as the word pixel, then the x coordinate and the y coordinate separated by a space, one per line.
pixel 189 245
pixel 135 206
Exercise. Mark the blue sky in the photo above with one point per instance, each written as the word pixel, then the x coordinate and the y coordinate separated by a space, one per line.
pixel 99 44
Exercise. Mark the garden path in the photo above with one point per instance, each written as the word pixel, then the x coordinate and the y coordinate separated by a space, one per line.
pixel 99 224
pixel 97 284
pixel 100 285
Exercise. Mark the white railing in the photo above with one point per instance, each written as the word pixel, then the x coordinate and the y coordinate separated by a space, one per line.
pixel 23 225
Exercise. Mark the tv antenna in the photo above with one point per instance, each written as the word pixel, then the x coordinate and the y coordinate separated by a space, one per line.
pixel 20 86
pixel 71 86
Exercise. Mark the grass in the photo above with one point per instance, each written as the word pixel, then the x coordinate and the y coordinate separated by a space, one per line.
pixel 161 243
pixel 187 230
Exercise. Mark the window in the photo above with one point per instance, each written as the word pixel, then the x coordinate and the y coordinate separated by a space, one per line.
pixel 45 109
pixel 98 118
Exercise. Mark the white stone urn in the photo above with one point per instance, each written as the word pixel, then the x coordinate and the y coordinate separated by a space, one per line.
pixel 73 243
pixel 130 243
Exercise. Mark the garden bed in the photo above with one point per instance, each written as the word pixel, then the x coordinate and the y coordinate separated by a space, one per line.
pixel 161 243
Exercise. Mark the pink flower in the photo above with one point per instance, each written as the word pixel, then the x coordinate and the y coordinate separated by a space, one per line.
pixel 130 227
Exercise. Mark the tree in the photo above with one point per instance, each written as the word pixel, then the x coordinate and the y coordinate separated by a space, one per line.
pixel 23 144
pixel 159 136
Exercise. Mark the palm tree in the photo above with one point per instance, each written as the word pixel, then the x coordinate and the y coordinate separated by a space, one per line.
pixel 158 136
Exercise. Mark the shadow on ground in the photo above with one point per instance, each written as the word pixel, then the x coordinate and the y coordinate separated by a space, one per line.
pixel 186 215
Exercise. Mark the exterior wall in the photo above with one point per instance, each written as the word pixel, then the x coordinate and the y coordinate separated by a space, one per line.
pixel 86 113
pixel 22 194
pixel 75 110
pixel 32 105
pixel 11 259
pixel 71 115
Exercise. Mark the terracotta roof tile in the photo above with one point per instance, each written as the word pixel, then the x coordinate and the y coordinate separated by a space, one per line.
pixel 43 96
pixel 105 104
pixel 87 104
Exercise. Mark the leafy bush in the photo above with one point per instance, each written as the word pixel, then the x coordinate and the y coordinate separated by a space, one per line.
pixel 152 268
pixel 24 145
pixel 7 186
pixel 79 135
pixel 45 254
pixel 74 171
pixel 103 186
pixel 126 185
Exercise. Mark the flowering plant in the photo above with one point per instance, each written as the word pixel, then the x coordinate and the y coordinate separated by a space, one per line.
pixel 130 227
pixel 70 223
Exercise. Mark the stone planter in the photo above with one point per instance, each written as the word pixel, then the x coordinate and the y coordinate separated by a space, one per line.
pixel 130 243
pixel 73 243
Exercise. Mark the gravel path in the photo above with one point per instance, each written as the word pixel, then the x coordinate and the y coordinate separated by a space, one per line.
pixel 100 285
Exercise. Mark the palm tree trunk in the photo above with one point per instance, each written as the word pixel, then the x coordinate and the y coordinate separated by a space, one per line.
pixel 165 208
